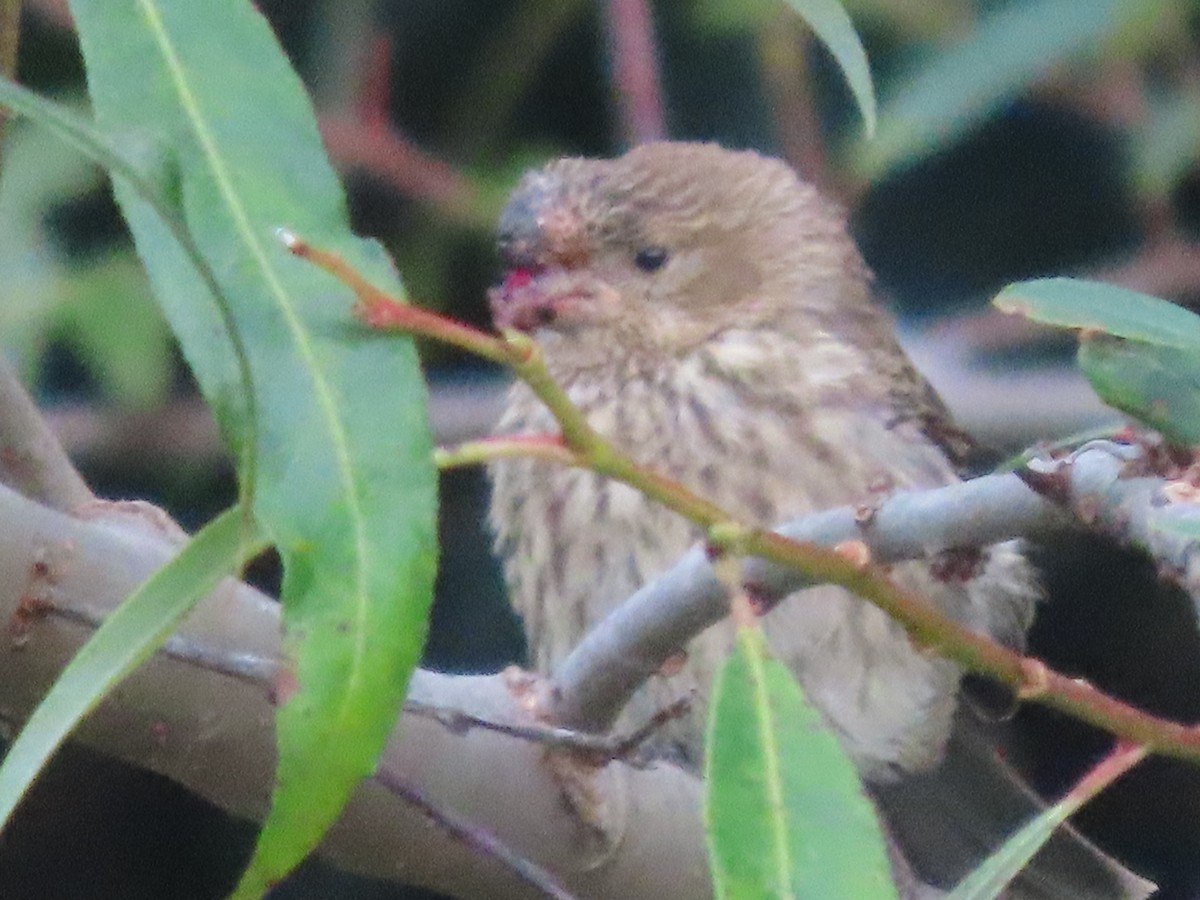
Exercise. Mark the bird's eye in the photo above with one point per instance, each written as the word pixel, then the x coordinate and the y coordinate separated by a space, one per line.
pixel 651 259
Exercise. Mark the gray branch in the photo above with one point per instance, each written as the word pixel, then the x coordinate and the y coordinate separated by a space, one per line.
pixel 208 726
pixel 596 680
pixel 31 459
pixel 202 716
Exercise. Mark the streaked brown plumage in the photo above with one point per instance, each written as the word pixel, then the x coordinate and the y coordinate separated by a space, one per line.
pixel 711 315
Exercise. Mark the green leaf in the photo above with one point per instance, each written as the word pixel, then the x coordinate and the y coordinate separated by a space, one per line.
pixel 1141 354
pixel 1095 306
pixel 786 814
pixel 830 23
pixel 1155 384
pixel 964 82
pixel 126 639
pixel 993 874
pixel 332 433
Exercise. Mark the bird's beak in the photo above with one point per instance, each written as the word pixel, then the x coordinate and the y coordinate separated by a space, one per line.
pixel 522 302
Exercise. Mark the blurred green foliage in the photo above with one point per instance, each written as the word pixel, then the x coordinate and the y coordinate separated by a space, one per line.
pixel 488 87
pixel 1016 137
pixel 65 282
pixel 1141 354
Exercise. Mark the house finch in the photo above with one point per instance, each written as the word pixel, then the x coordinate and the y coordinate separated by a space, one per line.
pixel 712 317
pixel 709 313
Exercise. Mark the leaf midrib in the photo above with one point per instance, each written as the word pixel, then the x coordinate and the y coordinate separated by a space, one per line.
pixel 321 389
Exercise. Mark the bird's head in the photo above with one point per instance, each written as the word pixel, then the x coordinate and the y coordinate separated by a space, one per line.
pixel 659 250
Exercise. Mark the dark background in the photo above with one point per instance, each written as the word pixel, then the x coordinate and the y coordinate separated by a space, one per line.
pixel 1064 173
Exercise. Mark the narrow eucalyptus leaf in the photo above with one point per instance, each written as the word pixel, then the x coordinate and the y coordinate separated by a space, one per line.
pixel 1157 385
pixel 785 812
pixel 1096 306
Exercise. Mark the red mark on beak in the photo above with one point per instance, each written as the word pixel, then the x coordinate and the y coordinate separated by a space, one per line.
pixel 522 301
pixel 518 278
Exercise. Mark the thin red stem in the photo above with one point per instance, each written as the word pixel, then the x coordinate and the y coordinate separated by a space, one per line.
pixel 580 445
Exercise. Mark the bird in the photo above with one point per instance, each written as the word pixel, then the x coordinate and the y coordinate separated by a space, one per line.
pixel 709 313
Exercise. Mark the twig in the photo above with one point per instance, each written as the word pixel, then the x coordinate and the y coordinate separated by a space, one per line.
pixel 460 721
pixel 254 670
pixel 355 98
pixel 600 749
pixel 1014 858
pixel 387 155
pixel 617 655
pixel 478 839
pixel 1097 497
pixel 213 735
pixel 624 748
pixel 1123 757
pixel 633 58
pixel 31 459
pixel 549 447
pixel 521 354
